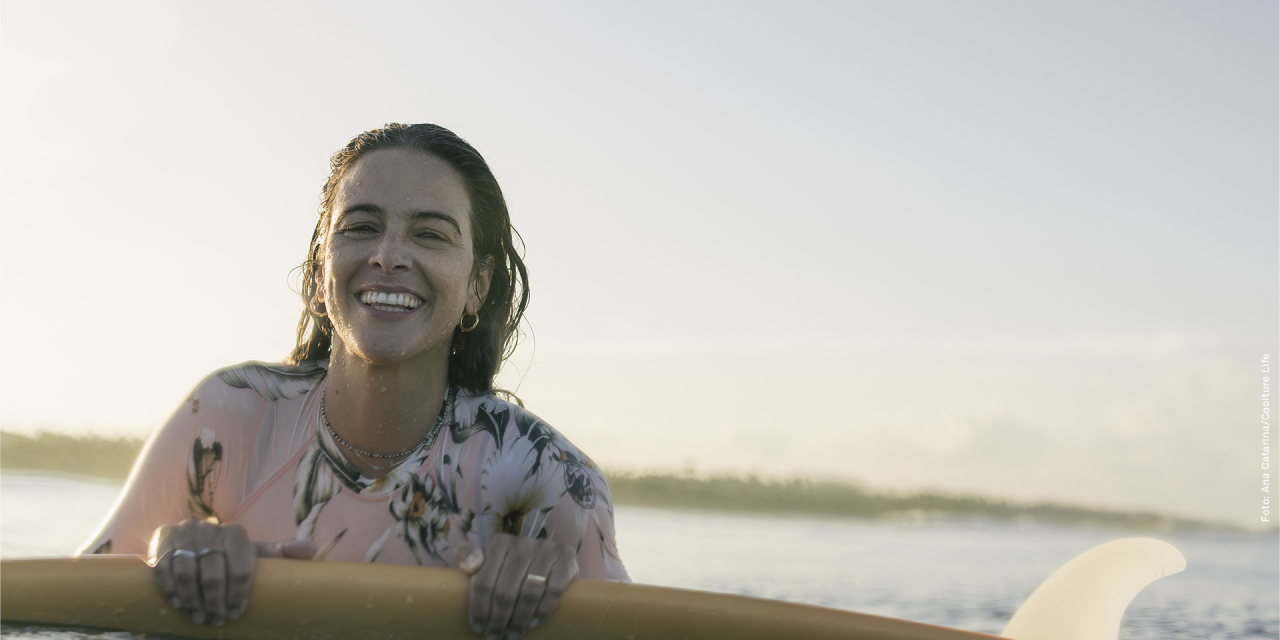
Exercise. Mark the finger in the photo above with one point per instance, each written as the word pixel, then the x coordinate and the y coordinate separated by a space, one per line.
pixel 185 575
pixel 299 549
pixel 213 583
pixel 163 574
pixel 211 564
pixel 186 572
pixel 296 549
pixel 268 549
pixel 532 589
pixel 468 556
pixel 507 589
pixel 562 573
pixel 480 600
pixel 240 559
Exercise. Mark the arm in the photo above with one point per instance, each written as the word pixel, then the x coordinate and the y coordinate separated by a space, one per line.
pixel 517 581
pixel 189 474
pixel 545 513
pixel 176 477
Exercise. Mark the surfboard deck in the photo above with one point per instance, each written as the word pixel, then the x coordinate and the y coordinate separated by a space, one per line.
pixel 318 600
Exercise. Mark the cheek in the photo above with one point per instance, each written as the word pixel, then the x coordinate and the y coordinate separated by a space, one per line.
pixel 456 282
pixel 328 281
pixel 334 291
pixel 454 279
pixel 335 268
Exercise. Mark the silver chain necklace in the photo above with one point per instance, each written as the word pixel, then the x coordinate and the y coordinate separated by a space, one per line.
pixel 449 396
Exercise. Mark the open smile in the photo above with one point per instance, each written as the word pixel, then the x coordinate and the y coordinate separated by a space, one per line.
pixel 394 302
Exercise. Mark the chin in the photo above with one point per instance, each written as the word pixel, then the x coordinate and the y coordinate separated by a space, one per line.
pixel 387 350
pixel 388 356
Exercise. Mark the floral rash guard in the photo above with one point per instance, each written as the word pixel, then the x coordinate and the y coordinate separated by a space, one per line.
pixel 248 447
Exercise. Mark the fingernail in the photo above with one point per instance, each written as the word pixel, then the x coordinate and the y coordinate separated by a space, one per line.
pixel 215 621
pixel 471 562
pixel 175 602
pixel 492 636
pixel 233 614
pixel 475 626
pixel 535 622
pixel 514 635
pixel 196 617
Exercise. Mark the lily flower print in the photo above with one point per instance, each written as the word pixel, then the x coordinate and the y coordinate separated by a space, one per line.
pixel 206 453
pixel 517 490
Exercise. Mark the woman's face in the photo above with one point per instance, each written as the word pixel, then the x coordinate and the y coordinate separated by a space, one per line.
pixel 398 265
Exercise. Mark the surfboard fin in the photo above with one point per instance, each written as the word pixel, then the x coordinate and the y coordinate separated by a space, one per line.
pixel 1086 597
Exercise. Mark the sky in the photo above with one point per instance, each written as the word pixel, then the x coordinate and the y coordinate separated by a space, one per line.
pixel 1023 250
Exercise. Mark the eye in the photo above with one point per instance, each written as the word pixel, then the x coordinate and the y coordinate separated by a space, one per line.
pixel 358 230
pixel 428 233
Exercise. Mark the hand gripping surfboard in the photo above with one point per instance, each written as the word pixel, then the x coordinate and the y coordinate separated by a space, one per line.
pixel 321 600
pixel 314 600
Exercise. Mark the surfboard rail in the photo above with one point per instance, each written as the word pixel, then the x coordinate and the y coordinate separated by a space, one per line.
pixel 318 600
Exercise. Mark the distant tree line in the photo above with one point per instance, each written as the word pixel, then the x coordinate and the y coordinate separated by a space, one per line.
pixel 85 455
pixel 113 458
pixel 802 496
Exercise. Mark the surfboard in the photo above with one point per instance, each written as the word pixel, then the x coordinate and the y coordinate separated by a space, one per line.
pixel 317 600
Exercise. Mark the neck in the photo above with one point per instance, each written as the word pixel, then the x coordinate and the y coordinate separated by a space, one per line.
pixel 383 408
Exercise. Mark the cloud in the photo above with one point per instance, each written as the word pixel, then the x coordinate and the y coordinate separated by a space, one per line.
pixel 1139 427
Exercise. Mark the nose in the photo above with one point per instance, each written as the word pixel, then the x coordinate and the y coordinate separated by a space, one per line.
pixel 392 254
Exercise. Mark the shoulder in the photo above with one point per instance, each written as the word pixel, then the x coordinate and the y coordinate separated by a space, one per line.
pixel 269 381
pixel 235 397
pixel 519 439
pixel 229 405
pixel 502 419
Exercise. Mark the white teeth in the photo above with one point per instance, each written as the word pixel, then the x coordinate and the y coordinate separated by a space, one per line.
pixel 390 300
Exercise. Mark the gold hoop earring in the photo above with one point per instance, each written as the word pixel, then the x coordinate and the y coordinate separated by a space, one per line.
pixel 312 306
pixel 475 324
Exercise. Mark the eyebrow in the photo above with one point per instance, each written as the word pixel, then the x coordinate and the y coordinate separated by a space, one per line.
pixel 417 215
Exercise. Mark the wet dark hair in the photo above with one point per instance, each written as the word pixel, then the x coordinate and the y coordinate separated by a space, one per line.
pixel 477 354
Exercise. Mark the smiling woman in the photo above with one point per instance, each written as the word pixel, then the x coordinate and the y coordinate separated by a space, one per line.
pixel 413 291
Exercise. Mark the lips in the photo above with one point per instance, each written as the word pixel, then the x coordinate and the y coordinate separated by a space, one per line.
pixel 383 301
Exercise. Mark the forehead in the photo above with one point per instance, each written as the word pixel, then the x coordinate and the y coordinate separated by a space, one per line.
pixel 403 182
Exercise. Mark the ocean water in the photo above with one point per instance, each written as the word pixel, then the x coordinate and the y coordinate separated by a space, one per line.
pixel 966 574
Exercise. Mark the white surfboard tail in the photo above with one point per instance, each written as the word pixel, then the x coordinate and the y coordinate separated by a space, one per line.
pixel 1086 597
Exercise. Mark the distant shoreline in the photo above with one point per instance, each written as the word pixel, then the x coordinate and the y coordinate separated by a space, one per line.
pixel 112 458
pixel 80 455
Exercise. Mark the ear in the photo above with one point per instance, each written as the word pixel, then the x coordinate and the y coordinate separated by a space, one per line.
pixel 480 279
pixel 318 277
